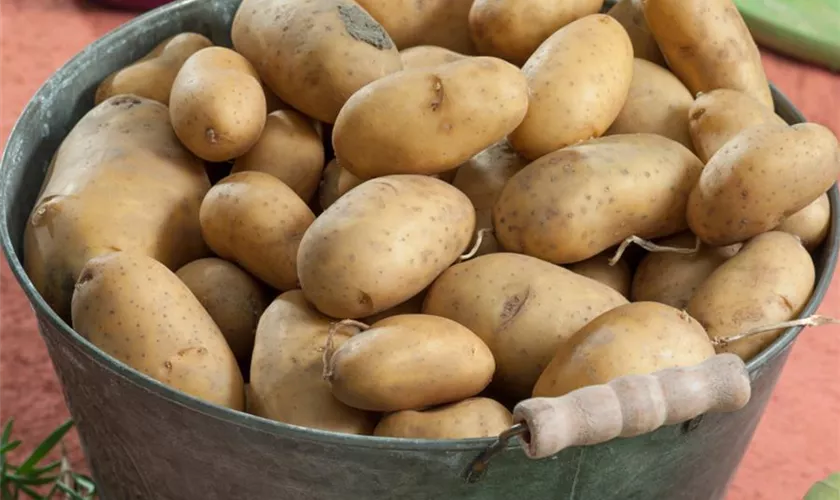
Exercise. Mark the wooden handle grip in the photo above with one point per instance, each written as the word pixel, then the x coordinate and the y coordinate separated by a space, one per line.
pixel 632 405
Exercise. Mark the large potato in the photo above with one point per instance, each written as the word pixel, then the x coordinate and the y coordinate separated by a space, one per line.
pixel 760 177
pixel 256 221
pixel 119 181
pixel 630 14
pixel 575 203
pixel 522 308
pixel 382 243
pixel 287 381
pixel 138 311
pixel 471 418
pixel 425 56
pixel 513 29
pixel 768 281
pixel 444 115
pixel 708 46
pixel 618 276
pixel 634 339
pixel 409 362
pixel 313 54
pixel 811 224
pixel 579 79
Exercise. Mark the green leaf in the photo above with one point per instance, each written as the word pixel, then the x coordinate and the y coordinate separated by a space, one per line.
pixel 86 483
pixel 7 431
pixel 47 468
pixel 34 481
pixel 7 447
pixel 6 492
pixel 827 489
pixel 69 491
pixel 32 494
pixel 44 448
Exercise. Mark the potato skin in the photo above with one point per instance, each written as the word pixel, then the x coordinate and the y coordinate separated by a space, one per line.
pixel 633 339
pixel 630 14
pixel 286 382
pixel 708 46
pixel 760 177
pixel 618 277
pixel 256 221
pixel 436 111
pixel 575 203
pixel 409 362
pixel 811 224
pixel 153 74
pixel 121 159
pixel 314 55
pixel 425 56
pixel 138 311
pixel 578 80
pixel 521 307
pixel 335 182
pixel 467 419
pixel 770 280
pixel 382 243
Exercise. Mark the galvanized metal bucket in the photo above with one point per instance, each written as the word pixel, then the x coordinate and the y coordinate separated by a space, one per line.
pixel 146 441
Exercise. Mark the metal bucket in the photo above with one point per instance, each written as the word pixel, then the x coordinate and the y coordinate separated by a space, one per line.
pixel 146 441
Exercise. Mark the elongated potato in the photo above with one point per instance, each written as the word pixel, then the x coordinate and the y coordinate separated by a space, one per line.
pixel 811 224
pixel 435 111
pixel 315 54
pixel 119 181
pixel 708 46
pixel 256 221
pixel 471 418
pixel 575 203
pixel 618 277
pixel 523 308
pixel 425 56
pixel 630 14
pixel 634 339
pixel 287 381
pixel 409 362
pixel 382 243
pixel 335 183
pixel 138 311
pixel 763 175
pixel 770 280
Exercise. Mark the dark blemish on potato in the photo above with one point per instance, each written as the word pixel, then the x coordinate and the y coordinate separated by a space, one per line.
pixel 437 87
pixel 512 306
pixel 697 114
pixel 126 100
pixel 365 300
pixel 361 26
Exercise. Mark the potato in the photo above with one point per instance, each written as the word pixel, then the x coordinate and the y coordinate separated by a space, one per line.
pixel 717 116
pixel 217 104
pixel 289 149
pixel 760 177
pixel 425 56
pixel 673 278
pixel 630 14
pixel 435 111
pixel 521 307
pixel 513 29
pixel 256 221
pixel 811 224
pixel 138 311
pixel 409 362
pixel 575 203
pixel 336 182
pixel 232 297
pixel 708 46
pixel 618 277
pixel 578 79
pixel 770 280
pixel 119 181
pixel 287 367
pixel 657 103
pixel 153 74
pixel 471 418
pixel 382 243
pixel 314 55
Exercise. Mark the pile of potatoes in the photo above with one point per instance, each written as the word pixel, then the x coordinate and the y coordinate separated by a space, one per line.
pixel 397 218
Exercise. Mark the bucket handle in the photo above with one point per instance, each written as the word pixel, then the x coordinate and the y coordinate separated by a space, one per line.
pixel 626 406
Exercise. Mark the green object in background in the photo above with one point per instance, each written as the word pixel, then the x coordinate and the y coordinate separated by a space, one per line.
pixel 827 489
pixel 806 29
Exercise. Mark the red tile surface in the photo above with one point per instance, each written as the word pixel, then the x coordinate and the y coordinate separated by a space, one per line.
pixel 797 443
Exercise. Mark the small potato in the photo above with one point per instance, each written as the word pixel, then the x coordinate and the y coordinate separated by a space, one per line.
pixel 426 56
pixel 522 308
pixel 287 383
pixel 769 281
pixel 708 46
pixel 657 103
pixel 630 14
pixel 811 224
pixel 152 75
pixel 633 339
pixel 471 418
pixel 382 243
pixel 598 268
pixel 232 297
pixel 577 202
pixel 414 305
pixel 437 117
pixel 217 105
pixel 256 221
pixel 138 311
pixel 513 29
pixel 409 362
pixel 717 116
pixel 578 79
pixel 289 149
pixel 336 182
pixel 763 175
